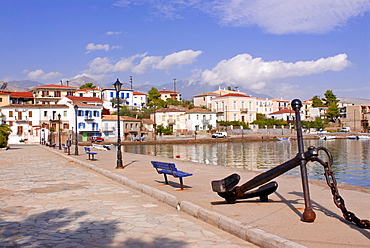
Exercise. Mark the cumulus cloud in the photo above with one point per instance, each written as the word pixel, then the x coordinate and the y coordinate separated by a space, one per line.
pixel 92 47
pixel 255 74
pixel 40 74
pixel 141 63
pixel 277 17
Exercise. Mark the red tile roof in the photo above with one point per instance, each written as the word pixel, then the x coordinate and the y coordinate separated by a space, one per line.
pixel 233 95
pixel 84 99
pixel 56 86
pixel 21 95
pixel 283 111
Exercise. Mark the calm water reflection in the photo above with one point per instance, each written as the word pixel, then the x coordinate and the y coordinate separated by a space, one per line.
pixel 351 157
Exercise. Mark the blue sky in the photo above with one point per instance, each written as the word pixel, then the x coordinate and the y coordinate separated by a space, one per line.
pixel 284 48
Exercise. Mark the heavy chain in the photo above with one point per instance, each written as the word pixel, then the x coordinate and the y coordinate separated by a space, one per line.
pixel 338 200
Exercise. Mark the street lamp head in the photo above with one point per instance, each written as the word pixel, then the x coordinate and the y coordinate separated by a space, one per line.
pixel 59 116
pixel 117 85
pixel 75 107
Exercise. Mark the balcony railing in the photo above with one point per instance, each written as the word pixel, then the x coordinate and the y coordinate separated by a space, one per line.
pixel 244 110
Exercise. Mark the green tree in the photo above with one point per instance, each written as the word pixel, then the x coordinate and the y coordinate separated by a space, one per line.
pixel 88 86
pixel 332 103
pixel 4 135
pixel 317 102
pixel 153 94
pixel 161 129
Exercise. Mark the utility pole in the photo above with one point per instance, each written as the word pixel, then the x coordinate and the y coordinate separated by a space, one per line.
pixel 174 84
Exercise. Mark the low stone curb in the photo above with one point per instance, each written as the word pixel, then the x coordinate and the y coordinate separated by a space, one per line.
pixel 234 227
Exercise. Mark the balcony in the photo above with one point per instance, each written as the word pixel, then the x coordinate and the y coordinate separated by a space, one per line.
pixel 89 118
pixel 244 110
pixel 20 120
pixel 171 122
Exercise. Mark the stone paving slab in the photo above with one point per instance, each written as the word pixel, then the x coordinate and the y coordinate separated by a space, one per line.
pixel 276 223
pixel 50 201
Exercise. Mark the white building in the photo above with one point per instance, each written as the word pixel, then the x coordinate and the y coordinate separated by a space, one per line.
pixel 139 100
pixel 198 119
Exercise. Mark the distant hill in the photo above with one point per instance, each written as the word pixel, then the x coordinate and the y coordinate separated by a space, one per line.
pixel 188 90
pixel 12 87
pixel 355 101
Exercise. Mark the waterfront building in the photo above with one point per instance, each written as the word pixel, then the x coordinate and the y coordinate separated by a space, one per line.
pixel 356 117
pixel 173 117
pixel 284 114
pixel 33 122
pixel 198 119
pixel 109 95
pixel 235 107
pixel 264 106
pixel 130 128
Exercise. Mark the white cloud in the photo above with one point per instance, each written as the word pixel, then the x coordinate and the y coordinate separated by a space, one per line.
pixel 114 33
pixel 257 75
pixel 273 16
pixel 40 74
pixel 141 63
pixel 290 16
pixel 92 47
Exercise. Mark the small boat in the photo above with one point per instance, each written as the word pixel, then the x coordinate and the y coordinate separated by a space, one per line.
pixel 103 147
pixel 327 137
pixel 363 137
pixel 283 139
pixel 359 137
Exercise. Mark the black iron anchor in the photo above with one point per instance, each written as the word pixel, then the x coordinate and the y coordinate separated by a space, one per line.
pixel 227 189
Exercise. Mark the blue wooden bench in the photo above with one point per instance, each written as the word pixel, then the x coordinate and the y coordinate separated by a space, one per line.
pixel 170 169
pixel 52 144
pixel 65 148
pixel 90 154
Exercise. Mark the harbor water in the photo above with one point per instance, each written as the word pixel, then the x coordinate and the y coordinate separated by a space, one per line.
pixel 351 158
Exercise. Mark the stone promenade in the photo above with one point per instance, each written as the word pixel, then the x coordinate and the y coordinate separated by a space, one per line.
pixel 50 201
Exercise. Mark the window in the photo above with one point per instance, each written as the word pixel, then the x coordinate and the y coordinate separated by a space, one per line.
pixel 20 130
pixel 94 94
pixel 10 113
pixel 81 125
pixel 29 113
pixel 189 117
pixel 81 94
pixel 197 117
pixel 234 117
pixel 88 113
pixel 79 113
pixel 57 94
pixel 111 94
pixel 163 117
pixel 96 113
pixel 1 99
pixel 65 113
pixel 45 93
pixel 127 95
pixel 45 113
pixel 10 123
pixel 234 105
pixel 122 95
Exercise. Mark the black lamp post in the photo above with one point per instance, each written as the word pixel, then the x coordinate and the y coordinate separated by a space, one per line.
pixel 117 86
pixel 60 145
pixel 76 132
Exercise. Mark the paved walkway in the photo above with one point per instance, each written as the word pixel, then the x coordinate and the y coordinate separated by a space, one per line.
pixel 50 201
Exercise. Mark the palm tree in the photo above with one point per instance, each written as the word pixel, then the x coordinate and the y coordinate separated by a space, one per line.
pixel 4 135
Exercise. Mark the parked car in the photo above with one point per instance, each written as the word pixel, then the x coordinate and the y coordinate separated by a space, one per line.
pixel 219 135
pixel 345 129
pixel 96 139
